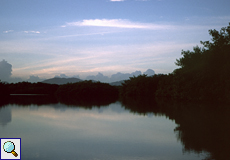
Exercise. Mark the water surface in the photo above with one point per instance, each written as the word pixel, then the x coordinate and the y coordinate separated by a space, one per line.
pixel 70 132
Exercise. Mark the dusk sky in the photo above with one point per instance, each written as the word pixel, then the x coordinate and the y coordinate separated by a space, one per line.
pixel 83 37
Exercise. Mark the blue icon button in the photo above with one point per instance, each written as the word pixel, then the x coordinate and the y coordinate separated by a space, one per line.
pixel 9 147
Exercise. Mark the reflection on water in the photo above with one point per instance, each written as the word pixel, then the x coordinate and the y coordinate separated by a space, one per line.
pixel 5 116
pixel 127 130
pixel 200 126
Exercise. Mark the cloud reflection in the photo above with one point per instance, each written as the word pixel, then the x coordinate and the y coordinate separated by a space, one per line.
pixel 5 116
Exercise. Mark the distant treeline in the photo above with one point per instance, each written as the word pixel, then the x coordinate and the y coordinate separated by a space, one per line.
pixel 203 74
pixel 28 88
pixel 87 91
pixel 68 93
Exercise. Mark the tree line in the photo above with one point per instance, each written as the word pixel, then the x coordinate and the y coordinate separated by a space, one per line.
pixel 70 93
pixel 203 74
pixel 27 88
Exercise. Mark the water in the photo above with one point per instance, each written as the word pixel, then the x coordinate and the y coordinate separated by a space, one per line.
pixel 112 131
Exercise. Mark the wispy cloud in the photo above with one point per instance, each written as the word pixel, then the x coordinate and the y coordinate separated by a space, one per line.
pixel 117 0
pixel 125 0
pixel 80 35
pixel 32 32
pixel 108 58
pixel 8 31
pixel 117 23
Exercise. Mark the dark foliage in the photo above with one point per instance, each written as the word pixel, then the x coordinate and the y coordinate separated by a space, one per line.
pixel 200 126
pixel 204 72
pixel 140 105
pixel 4 89
pixel 140 86
pixel 32 88
pixel 81 93
pixel 27 100
pixel 87 90
pixel 165 87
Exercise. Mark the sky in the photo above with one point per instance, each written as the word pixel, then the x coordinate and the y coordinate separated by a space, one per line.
pixel 45 38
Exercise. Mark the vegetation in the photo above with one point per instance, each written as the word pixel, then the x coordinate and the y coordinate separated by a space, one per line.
pixel 32 88
pixel 200 127
pixel 85 93
pixel 4 90
pixel 140 86
pixel 203 74
pixel 87 90
pixel 27 100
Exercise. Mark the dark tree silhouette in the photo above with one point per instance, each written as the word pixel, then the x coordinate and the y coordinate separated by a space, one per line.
pixel 4 89
pixel 87 90
pixel 204 72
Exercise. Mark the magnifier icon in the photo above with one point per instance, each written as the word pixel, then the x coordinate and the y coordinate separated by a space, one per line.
pixel 9 147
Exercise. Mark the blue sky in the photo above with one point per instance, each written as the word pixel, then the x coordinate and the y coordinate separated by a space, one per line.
pixel 83 37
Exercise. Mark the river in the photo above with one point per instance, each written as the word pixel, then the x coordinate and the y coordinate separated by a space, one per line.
pixel 50 129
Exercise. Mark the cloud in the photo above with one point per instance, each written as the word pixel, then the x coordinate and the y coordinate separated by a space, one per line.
pixel 8 31
pixel 34 79
pixel 124 0
pixel 81 35
pixel 118 76
pixel 123 76
pixel 5 70
pixel 98 77
pixel 149 72
pixel 117 23
pixel 32 32
pixel 117 0
pixel 5 116
pixel 65 76
pixel 109 59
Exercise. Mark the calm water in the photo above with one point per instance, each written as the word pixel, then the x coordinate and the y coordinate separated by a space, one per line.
pixel 113 131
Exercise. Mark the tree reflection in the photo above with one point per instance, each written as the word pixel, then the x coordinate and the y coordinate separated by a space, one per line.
pixel 201 127
pixel 26 100
pixel 39 100
pixel 87 102
pixel 141 106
